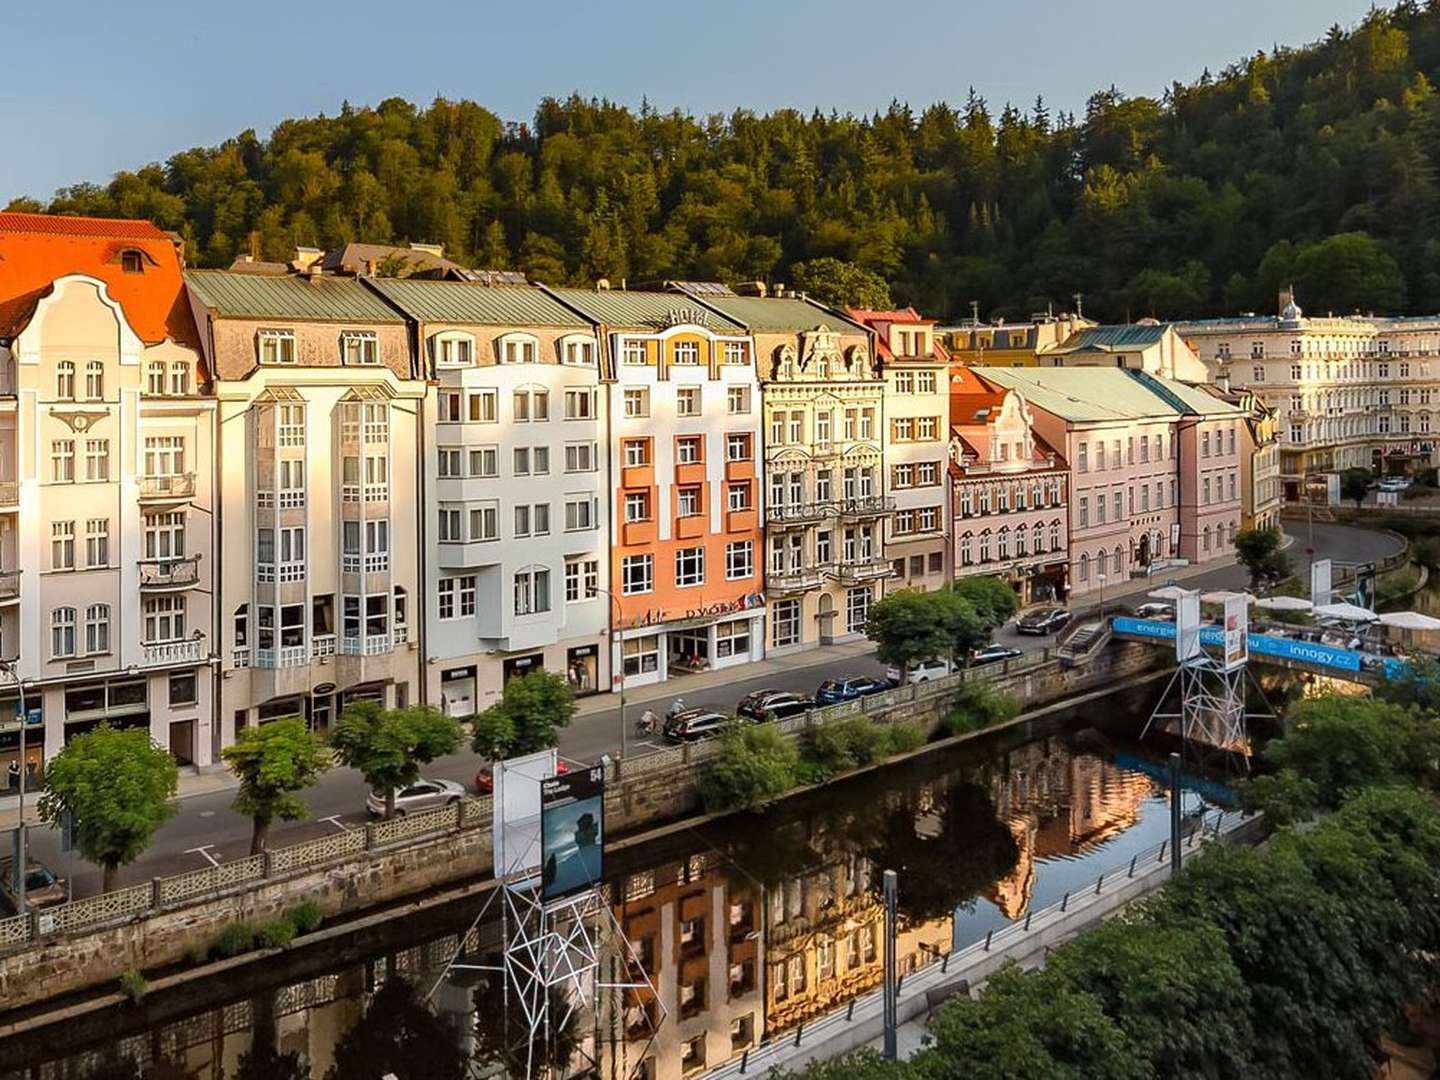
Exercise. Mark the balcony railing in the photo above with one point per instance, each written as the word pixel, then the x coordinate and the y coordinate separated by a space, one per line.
pixel 173 486
pixel 9 493
pixel 795 579
pixel 184 651
pixel 240 657
pixel 170 573
pixel 862 570
pixel 9 584
pixel 795 513
pixel 283 657
pixel 866 506
pixel 372 645
pixel 323 645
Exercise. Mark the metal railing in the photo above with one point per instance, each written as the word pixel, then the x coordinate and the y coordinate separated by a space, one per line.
pixel 9 584
pixel 169 573
pixel 172 486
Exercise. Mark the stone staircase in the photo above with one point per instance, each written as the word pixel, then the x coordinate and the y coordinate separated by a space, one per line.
pixel 1083 641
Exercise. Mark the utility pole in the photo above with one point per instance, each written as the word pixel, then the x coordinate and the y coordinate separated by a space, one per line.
pixel 9 668
pixel 1174 814
pixel 891 1013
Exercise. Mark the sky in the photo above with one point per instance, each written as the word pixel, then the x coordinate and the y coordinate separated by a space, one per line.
pixel 95 86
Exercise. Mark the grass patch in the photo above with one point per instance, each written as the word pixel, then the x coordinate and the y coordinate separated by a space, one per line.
pixel 981 706
pixel 242 937
pixel 133 986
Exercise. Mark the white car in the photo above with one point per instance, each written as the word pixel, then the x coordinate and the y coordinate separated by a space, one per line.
pixel 1394 483
pixel 421 795
pixel 923 671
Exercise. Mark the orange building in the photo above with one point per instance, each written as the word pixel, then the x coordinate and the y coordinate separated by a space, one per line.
pixel 684 409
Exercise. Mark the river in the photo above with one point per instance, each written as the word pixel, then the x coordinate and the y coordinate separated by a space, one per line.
pixel 738 932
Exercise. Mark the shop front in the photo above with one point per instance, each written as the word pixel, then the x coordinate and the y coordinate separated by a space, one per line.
pixel 718 636
pixel 514 666
pixel 582 669
pixel 11 761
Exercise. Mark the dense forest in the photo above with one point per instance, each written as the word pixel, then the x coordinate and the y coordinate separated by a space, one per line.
pixel 1316 164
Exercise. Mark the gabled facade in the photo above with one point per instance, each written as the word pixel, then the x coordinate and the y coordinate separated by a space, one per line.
pixel 106 503
pixel 515 486
pixel 682 412
pixel 915 368
pixel 319 548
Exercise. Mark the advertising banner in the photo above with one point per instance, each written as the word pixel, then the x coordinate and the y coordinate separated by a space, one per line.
pixel 1237 631
pixel 516 802
pixel 572 832
pixel 1320 586
pixel 1364 594
pixel 1187 627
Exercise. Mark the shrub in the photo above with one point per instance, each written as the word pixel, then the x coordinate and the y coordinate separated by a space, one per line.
pixel 305 917
pixel 274 935
pixel 756 765
pixel 980 706
pixel 902 738
pixel 133 986
pixel 846 744
pixel 236 938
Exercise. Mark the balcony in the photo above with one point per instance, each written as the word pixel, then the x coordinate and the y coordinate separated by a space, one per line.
pixel 637 476
pixel 163 574
pixel 794 579
pixel 322 645
pixel 9 494
pixel 373 645
pixel 637 532
pixel 861 570
pixel 690 527
pixel 866 506
pixel 741 520
pixel 160 653
pixel 797 513
pixel 287 656
pixel 9 586
pixel 740 470
pixel 461 556
pixel 692 472
pixel 175 487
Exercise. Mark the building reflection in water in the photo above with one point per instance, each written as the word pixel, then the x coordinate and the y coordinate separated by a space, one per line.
pixel 754 932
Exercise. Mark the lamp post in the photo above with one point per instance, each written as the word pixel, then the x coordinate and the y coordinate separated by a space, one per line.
pixel 1101 579
pixel 617 640
pixel 8 666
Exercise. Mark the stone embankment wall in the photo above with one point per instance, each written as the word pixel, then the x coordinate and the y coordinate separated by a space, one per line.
pixel 153 926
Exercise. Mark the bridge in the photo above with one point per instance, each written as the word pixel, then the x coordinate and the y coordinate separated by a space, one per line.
pixel 1351 664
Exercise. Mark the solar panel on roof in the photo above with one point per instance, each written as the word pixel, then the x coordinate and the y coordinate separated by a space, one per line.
pixel 705 288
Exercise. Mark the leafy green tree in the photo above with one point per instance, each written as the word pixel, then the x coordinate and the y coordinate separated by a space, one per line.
pixel 492 733
pixel 909 626
pixel 399 1035
pixel 538 706
pixel 755 766
pixel 117 787
pixel 840 284
pixel 1341 744
pixel 1354 485
pixel 1284 797
pixel 1259 552
pixel 993 599
pixel 387 747
pixel 273 761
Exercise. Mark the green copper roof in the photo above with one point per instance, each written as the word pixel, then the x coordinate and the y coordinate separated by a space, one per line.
pixel 625 310
pixel 291 297
pixel 484 305
pixel 1090 394
pixel 1113 338
pixel 773 315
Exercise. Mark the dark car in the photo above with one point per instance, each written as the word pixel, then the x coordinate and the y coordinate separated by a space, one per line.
pixel 1042 620
pixel 991 654
pixel 485 777
pixel 773 705
pixel 848 688
pixel 695 724
pixel 42 888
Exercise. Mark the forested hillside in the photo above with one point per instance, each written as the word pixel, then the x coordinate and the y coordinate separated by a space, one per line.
pixel 1314 163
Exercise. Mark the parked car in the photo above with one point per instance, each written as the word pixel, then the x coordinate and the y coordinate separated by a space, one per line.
pixel 1394 483
pixel 773 705
pixel 991 654
pixel 693 724
pixel 42 888
pixel 923 671
pixel 421 795
pixel 1155 610
pixel 485 777
pixel 1045 620
pixel 848 688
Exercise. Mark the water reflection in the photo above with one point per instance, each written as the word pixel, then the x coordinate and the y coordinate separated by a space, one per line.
pixel 746 930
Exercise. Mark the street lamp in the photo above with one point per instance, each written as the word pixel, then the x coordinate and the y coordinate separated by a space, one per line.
pixel 1101 578
pixel 8 666
pixel 616 639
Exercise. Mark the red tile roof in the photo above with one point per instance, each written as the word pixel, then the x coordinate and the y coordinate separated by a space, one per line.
pixel 35 249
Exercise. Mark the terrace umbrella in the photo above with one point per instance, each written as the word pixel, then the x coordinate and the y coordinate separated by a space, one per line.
pixel 1169 592
pixel 1345 612
pixel 1284 603
pixel 1220 597
pixel 1410 620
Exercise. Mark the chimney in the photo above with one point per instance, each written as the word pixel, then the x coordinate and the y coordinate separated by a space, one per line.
pixel 602 285
pixel 750 288
pixel 438 250
pixel 306 257
pixel 371 265
pixel 314 271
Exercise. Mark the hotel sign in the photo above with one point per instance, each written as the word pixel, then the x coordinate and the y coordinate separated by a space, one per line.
pixel 702 614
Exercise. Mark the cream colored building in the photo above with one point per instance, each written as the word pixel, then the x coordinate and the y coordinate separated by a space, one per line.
pixel 319 546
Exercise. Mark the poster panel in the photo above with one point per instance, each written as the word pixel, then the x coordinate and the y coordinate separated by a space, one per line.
pixel 1320 586
pixel 573 832
pixel 516 805
pixel 1187 627
pixel 1237 631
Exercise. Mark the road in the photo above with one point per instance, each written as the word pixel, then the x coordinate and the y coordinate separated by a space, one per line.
pixel 205 821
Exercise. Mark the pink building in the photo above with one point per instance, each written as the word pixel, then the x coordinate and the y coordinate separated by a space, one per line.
pixel 1154 468
pixel 1009 492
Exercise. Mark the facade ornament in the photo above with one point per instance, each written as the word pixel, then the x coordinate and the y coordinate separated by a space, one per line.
pixel 80 421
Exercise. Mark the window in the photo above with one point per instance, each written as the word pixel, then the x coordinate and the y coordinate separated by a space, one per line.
pixel 578 352
pixel 164 618
pixel 579 514
pixel 690 566
pixel 823 421
pixel 97 542
pixel 519 349
pixel 926 427
pixel 633 353
pixel 734 352
pixel 531 404
pixel 276 346
pixel 448 463
pixel 165 456
pixel 65 380
pixel 482 407
pixel 687 450
pixel 184 688
pixel 95 380
pixel 522 461
pixel 532 591
pixel 737 496
pixel 449 530
pixel 62 545
pixel 1085 511
pixel 642 655
pixel 533 520
pixel 687 502
pixel 687 352
pixel 454 350
pixel 1257 373
pixel 132 262
pixel 1083 463
pixel 637 403
pixel 179 378
pixel 359 347
pixel 737 447
pixel 582 580
pixel 155 377
pixel 732 638
pixel 579 405
pixel 62 632
pixel 62 460
pixel 97 459
pixel 637 506
pixel 785 627
pixel 457 597
pixel 637 452
pixel 739 560
pixel 687 401
pixel 485 522
pixel 737 399
pixel 97 629
pixel 637 574
pixel 857 609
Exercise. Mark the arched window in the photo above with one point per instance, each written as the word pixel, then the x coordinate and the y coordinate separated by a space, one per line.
pixel 95 380
pixel 1039 539
pixel 65 380
pixel 577 350
pixel 519 349
pixel 985 546
pixel 97 628
pixel 62 632
pixel 1119 561
pixel 1003 543
pixel 1022 535
pixel 452 350
pixel 1055 535
pixel 1206 541
pixel 966 554
pixel 1083 573
pixel 155 377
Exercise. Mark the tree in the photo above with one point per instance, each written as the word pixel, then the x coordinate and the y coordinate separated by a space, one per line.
pixel 907 626
pixel 1284 797
pixel 272 761
pixel 387 747
pixel 116 786
pixel 528 717
pixel 967 629
pixel 1341 744
pixel 399 1035
pixel 992 598
pixel 1355 484
pixel 1259 551
pixel 755 766
pixel 840 284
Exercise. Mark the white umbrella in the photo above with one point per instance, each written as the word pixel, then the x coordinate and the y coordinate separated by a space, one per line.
pixel 1284 603
pixel 1345 612
pixel 1410 620
pixel 1221 596
pixel 1169 592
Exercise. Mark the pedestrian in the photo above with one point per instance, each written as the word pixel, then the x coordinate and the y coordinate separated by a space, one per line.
pixel 12 774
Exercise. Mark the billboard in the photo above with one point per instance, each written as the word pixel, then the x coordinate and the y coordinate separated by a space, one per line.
pixel 1237 631
pixel 515 799
pixel 1187 627
pixel 1364 594
pixel 572 832
pixel 1320 586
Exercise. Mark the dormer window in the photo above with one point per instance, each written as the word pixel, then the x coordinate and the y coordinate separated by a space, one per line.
pixel 687 352
pixel 454 350
pixel 359 347
pixel 95 380
pixel 155 377
pixel 633 352
pixel 132 261
pixel 276 346
pixel 179 378
pixel 578 352
pixel 735 353
pixel 519 349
